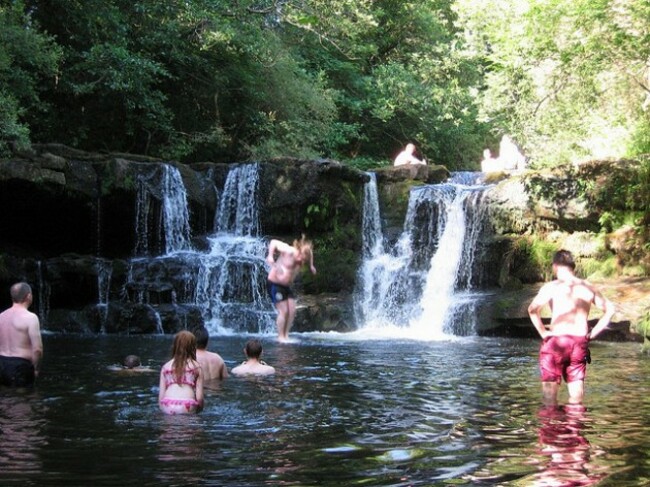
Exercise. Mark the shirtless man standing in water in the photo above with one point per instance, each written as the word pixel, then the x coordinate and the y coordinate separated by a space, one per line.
pixel 564 351
pixel 21 346
pixel 283 271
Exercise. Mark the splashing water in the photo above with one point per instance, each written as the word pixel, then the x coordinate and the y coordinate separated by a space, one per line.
pixel 416 288
pixel 232 276
pixel 226 283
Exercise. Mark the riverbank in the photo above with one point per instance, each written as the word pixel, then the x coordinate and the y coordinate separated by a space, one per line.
pixel 630 295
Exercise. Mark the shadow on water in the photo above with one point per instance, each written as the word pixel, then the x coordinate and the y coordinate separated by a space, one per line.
pixel 340 411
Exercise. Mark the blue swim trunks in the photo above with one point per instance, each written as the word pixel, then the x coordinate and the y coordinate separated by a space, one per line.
pixel 278 292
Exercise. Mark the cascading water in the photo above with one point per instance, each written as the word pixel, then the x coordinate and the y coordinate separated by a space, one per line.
pixel 226 283
pixel 232 276
pixel 104 273
pixel 237 213
pixel 422 286
pixel 172 227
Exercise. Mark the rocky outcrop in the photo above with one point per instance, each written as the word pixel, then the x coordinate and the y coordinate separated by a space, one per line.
pixel 70 226
pixel 504 313
pixel 73 227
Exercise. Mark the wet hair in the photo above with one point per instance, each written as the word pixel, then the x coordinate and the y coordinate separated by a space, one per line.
pixel 564 258
pixel 253 348
pixel 304 246
pixel 183 350
pixel 19 292
pixel 202 337
pixel 131 361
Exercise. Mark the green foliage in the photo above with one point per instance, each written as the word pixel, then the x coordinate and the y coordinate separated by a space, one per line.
pixel 319 213
pixel 598 268
pixel 29 62
pixel 564 76
pixel 349 79
pixel 364 163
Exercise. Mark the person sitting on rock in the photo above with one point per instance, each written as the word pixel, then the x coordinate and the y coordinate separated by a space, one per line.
pixel 406 157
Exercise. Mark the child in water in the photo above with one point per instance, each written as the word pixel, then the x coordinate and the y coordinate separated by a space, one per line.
pixel 181 379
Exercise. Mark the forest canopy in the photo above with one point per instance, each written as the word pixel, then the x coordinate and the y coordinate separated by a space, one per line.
pixel 353 80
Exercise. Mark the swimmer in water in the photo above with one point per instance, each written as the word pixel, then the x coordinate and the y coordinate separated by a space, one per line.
pixel 130 364
pixel 181 379
pixel 253 364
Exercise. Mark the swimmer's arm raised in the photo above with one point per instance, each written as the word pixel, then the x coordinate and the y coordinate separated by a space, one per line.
pixel 276 246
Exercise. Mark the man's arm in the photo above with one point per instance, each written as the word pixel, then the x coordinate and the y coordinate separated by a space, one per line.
pixel 34 331
pixel 276 246
pixel 199 389
pixel 223 371
pixel 535 309
pixel 608 312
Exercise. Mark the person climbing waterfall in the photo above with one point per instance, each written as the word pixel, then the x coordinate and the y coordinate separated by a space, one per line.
pixel 290 259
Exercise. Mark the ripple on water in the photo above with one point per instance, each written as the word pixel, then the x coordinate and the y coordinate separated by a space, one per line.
pixel 340 411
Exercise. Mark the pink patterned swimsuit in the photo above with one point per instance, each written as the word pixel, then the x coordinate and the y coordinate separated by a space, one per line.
pixel 180 405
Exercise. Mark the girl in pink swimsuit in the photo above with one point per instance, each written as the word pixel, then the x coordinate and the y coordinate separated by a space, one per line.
pixel 181 379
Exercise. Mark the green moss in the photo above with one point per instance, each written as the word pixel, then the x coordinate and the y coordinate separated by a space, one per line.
pixel 597 267
pixel 643 329
pixel 530 258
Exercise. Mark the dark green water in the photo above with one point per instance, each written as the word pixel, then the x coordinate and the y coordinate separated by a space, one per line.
pixel 342 410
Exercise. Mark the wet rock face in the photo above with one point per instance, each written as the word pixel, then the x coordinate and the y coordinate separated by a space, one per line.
pixel 71 228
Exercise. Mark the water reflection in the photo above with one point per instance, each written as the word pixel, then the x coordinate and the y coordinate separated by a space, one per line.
pixel 180 448
pixel 338 412
pixel 565 450
pixel 21 433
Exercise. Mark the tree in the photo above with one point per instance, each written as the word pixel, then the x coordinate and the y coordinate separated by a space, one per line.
pixel 29 63
pixel 567 78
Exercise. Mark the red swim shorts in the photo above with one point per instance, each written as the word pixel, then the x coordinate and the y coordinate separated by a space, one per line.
pixel 564 357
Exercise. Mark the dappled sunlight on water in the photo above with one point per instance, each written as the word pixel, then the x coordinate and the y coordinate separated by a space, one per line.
pixel 341 410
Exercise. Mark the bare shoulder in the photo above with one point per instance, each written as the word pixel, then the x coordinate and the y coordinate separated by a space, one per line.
pixel 548 289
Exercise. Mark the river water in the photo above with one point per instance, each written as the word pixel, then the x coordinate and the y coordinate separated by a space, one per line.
pixel 342 410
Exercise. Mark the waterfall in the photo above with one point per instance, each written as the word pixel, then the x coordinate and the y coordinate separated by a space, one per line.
pixel 43 294
pixel 224 282
pixel 237 213
pixel 232 275
pixel 421 285
pixel 162 192
pixel 371 231
pixel 176 215
pixel 104 274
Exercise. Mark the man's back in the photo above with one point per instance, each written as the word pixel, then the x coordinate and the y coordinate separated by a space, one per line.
pixel 253 367
pixel 571 300
pixel 212 364
pixel 18 329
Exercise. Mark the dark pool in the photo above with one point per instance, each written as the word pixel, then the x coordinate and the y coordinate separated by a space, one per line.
pixel 342 410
